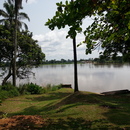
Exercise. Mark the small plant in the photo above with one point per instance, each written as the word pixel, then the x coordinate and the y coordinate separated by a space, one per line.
pixel 50 88
pixel 56 87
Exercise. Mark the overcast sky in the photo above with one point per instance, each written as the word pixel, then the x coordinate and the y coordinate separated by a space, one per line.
pixel 53 43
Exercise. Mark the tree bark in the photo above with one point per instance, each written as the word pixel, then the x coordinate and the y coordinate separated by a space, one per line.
pixel 8 76
pixel 75 66
pixel 15 49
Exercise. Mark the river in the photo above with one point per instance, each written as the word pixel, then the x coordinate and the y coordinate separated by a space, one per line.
pixel 93 78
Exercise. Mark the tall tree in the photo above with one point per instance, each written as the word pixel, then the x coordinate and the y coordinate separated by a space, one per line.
pixel 9 16
pixel 29 54
pixel 12 7
pixel 110 29
pixel 18 5
pixel 64 18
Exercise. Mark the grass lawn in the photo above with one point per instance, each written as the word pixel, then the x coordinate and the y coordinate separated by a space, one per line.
pixel 64 109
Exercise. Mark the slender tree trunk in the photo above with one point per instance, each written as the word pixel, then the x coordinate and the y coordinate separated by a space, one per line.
pixel 7 77
pixel 15 50
pixel 75 66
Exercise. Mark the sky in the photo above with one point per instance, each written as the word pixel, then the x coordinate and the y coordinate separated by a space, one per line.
pixel 53 43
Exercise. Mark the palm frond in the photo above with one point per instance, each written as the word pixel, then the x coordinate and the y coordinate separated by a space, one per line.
pixel 22 16
pixel 9 14
pixel 20 24
pixel 9 7
pixel 3 13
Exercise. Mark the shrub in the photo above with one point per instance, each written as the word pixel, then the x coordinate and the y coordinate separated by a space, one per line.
pixel 3 95
pixel 34 89
pixel 7 91
pixel 13 93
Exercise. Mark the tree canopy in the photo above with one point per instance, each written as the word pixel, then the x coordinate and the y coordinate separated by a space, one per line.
pixel 110 29
pixel 18 49
pixel 8 15
pixel 29 53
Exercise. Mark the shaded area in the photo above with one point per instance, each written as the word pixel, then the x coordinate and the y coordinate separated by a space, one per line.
pixel 36 122
pixel 78 124
pixel 114 110
pixel 65 102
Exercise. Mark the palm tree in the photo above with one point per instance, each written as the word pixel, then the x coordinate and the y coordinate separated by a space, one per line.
pixel 12 18
pixel 18 5
pixel 9 16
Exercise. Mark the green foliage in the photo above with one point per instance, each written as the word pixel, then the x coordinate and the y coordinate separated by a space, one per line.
pixel 66 110
pixel 110 29
pixel 9 15
pixel 3 94
pixel 7 87
pixel 29 52
pixel 34 89
pixel 68 14
pixel 8 91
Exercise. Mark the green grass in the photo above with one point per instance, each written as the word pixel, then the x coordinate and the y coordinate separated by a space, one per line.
pixel 64 109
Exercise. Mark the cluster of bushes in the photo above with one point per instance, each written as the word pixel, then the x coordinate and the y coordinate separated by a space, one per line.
pixel 8 90
pixel 36 89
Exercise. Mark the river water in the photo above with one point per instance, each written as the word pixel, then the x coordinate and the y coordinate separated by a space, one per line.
pixel 94 78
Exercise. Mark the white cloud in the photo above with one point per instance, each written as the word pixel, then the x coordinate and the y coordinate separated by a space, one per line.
pixel 55 45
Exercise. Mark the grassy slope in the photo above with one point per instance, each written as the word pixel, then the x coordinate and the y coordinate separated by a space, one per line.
pixel 99 111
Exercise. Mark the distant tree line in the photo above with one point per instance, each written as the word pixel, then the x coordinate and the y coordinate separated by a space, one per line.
pixel 62 61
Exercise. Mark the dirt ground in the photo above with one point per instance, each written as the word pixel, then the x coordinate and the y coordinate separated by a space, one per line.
pixel 22 122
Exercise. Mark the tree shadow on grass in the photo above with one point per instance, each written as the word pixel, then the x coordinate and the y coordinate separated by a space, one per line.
pixel 38 123
pixel 67 101
pixel 50 96
pixel 78 124
pixel 118 108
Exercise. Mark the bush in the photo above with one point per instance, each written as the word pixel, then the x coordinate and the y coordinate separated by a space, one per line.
pixel 34 89
pixel 8 86
pixel 3 95
pixel 13 93
pixel 8 91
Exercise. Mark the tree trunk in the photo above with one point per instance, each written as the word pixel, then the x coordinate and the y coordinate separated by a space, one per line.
pixel 7 77
pixel 75 66
pixel 15 50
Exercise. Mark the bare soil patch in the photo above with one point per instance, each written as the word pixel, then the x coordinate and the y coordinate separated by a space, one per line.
pixel 22 122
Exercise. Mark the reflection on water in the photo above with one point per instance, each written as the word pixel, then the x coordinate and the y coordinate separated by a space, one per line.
pixel 94 78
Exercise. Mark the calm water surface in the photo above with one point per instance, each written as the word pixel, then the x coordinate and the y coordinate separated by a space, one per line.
pixel 94 78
